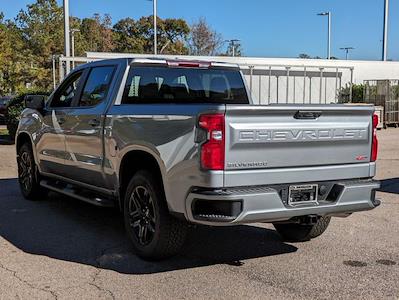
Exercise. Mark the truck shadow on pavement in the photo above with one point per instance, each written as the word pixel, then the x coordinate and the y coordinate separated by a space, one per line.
pixel 390 185
pixel 65 229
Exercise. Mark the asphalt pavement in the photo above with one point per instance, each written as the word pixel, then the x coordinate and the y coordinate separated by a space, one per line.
pixel 60 248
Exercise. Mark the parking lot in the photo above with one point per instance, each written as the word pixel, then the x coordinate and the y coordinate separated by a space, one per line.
pixel 62 248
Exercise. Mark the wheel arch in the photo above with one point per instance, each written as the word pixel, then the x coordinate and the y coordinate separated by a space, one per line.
pixel 23 138
pixel 134 160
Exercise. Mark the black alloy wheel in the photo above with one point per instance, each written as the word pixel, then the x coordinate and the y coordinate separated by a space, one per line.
pixel 154 233
pixel 25 172
pixel 142 215
pixel 28 177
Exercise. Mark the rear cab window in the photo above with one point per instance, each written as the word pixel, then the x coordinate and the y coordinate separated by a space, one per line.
pixel 149 84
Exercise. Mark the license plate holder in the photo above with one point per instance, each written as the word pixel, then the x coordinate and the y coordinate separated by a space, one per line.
pixel 303 194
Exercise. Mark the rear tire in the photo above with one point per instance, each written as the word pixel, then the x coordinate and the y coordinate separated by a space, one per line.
pixel 28 175
pixel 153 232
pixel 295 232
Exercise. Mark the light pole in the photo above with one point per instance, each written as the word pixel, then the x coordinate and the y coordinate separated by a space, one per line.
pixel 155 27
pixel 154 8
pixel 346 49
pixel 67 47
pixel 233 44
pixel 328 14
pixel 73 31
pixel 385 36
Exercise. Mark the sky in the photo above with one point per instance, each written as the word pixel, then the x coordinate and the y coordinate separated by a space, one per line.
pixel 266 28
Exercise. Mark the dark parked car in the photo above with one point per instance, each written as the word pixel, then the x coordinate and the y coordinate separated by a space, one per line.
pixel 3 108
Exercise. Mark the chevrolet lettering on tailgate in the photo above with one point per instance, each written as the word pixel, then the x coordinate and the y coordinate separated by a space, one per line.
pixel 294 135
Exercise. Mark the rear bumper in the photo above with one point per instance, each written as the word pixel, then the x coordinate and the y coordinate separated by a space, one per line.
pixel 265 204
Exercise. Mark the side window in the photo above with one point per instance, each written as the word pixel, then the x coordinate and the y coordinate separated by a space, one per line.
pixel 67 92
pixel 97 86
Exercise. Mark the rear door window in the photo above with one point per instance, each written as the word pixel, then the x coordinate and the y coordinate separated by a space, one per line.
pixel 149 84
pixel 97 86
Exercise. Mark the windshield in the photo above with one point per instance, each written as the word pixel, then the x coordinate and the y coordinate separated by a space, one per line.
pixel 177 85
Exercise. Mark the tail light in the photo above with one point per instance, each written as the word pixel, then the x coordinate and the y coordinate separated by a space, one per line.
pixel 212 151
pixel 374 146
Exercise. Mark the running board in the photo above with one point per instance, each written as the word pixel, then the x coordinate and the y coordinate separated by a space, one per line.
pixel 77 193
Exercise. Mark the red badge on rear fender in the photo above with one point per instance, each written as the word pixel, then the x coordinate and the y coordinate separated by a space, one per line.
pixel 361 157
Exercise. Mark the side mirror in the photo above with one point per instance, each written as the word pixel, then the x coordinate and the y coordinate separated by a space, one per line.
pixel 35 102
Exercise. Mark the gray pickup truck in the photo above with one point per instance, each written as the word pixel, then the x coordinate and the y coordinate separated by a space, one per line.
pixel 172 143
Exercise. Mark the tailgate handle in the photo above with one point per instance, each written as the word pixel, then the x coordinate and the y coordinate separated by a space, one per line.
pixel 307 115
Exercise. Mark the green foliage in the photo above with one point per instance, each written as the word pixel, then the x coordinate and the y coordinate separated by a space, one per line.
pixel 41 27
pixel 14 56
pixel 395 91
pixel 357 94
pixel 128 37
pixel 16 106
pixel 96 34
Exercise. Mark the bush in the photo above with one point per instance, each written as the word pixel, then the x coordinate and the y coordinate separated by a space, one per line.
pixel 15 108
pixel 357 94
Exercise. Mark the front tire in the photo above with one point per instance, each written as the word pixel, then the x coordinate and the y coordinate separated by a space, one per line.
pixel 295 232
pixel 28 176
pixel 153 232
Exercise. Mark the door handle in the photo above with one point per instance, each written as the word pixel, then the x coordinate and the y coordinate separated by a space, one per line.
pixel 307 115
pixel 94 122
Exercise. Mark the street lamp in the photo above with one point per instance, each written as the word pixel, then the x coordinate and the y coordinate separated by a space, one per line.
pixel 155 26
pixel 346 49
pixel 73 31
pixel 233 44
pixel 385 36
pixel 328 14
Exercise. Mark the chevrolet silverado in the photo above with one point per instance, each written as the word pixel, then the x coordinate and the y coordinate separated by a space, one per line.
pixel 172 143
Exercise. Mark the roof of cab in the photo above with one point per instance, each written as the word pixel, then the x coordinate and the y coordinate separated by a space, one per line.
pixel 162 61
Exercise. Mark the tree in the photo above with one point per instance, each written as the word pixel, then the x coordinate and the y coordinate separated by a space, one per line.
pixel 97 33
pixel 138 36
pixel 41 30
pixel 127 36
pixel 174 33
pixel 304 56
pixel 203 39
pixel 16 60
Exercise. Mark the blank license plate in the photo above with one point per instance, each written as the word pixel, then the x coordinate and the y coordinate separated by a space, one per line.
pixel 302 194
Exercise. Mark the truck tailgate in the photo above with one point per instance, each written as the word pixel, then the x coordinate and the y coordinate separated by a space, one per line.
pixel 289 136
